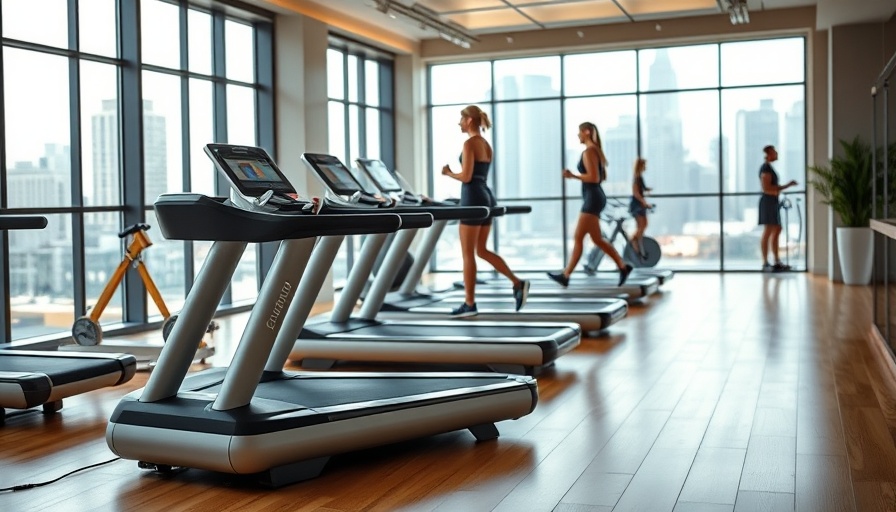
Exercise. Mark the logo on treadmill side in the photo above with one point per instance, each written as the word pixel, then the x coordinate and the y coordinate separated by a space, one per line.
pixel 279 305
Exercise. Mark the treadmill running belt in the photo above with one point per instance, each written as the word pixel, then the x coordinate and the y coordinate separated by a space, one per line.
pixel 462 329
pixel 532 306
pixel 312 393
pixel 60 370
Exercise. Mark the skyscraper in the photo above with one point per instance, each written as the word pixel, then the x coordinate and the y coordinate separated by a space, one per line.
pixel 106 170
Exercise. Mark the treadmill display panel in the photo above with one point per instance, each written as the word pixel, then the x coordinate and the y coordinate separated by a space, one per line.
pixel 380 175
pixel 334 174
pixel 250 170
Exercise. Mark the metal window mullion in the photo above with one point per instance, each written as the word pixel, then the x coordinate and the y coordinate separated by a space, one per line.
pixel 495 147
pixel 362 108
pixel 75 165
pixel 264 124
pixel 5 312
pixel 721 174
pixel 187 174
pixel 564 228
pixel 131 133
pixel 387 112
pixel 219 102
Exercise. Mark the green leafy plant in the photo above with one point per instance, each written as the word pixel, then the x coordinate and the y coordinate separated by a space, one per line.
pixel 845 184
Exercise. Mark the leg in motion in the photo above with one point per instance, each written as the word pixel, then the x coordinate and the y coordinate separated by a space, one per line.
pixel 593 228
pixel 520 287
pixel 578 242
pixel 468 236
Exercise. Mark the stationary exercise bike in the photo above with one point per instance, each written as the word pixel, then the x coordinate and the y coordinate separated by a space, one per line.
pixel 87 331
pixel 648 253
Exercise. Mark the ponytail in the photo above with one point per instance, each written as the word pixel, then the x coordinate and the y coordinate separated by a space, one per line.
pixel 595 138
pixel 480 118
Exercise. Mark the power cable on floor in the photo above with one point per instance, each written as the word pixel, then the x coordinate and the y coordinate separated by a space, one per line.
pixel 23 487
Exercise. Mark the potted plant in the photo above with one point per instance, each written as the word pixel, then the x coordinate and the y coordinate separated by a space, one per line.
pixel 845 185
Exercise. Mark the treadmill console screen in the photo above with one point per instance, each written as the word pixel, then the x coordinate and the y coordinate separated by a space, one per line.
pixel 334 174
pixel 380 175
pixel 250 170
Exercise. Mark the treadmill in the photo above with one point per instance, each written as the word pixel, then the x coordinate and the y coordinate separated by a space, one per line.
pixel 525 348
pixel 254 418
pixel 593 315
pixel 37 378
pixel 635 288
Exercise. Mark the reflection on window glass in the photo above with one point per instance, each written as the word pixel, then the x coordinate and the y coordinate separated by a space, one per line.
pixel 527 149
pixel 239 46
pixel 38 154
pixel 372 82
pixel 617 125
pixel 40 279
pixel 103 251
pixel 241 115
pixel 200 47
pixel 97 27
pixel 44 22
pixel 162 125
pixel 461 83
pixel 202 171
pixel 527 78
pixel 686 67
pixel 335 74
pixel 599 73
pixel 773 61
pixel 681 142
pixel 165 262
pixel 159 22
pixel 100 139
pixel 753 118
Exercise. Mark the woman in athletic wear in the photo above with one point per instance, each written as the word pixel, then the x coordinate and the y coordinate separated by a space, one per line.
pixel 592 171
pixel 475 162
pixel 769 212
pixel 638 206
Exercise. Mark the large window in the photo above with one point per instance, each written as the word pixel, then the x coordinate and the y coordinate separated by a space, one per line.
pixel 699 114
pixel 107 104
pixel 361 117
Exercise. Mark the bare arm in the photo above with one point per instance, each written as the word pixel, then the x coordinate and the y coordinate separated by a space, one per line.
pixel 592 174
pixel 466 172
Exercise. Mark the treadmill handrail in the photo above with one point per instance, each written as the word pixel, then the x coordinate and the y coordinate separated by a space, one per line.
pixel 409 220
pixel 213 219
pixel 8 222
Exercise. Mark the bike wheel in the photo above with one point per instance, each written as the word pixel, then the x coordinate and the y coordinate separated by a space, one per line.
pixel 650 253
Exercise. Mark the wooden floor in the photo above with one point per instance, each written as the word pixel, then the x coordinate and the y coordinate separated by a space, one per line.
pixel 742 392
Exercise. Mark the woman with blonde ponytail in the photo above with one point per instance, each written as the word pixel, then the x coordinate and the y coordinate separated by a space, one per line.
pixel 592 171
pixel 475 162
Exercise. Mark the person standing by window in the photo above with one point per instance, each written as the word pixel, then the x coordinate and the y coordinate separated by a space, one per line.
pixel 475 162
pixel 769 211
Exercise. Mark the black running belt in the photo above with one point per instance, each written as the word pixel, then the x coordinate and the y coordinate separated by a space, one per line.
pixel 560 307
pixel 60 370
pixel 460 329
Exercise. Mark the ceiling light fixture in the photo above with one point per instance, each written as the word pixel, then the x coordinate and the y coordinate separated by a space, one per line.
pixel 737 11
pixel 427 18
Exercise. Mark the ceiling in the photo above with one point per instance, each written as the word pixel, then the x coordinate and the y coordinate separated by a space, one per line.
pixel 496 16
